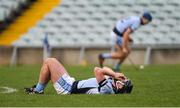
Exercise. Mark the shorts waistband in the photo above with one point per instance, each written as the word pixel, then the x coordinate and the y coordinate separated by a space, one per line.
pixel 74 89
pixel 117 32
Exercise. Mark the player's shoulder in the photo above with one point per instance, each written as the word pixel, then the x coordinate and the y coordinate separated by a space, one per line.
pixel 135 18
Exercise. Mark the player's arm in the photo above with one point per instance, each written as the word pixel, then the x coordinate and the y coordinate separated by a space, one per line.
pixel 126 39
pixel 100 74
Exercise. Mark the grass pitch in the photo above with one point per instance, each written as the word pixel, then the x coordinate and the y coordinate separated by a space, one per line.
pixel 154 86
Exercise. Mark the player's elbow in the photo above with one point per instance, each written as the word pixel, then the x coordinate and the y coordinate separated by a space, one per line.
pixel 98 74
pixel 127 33
pixel 96 70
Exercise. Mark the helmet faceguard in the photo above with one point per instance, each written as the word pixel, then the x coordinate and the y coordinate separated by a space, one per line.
pixel 127 87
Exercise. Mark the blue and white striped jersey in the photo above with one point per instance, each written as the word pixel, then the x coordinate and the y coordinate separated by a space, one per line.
pixel 132 22
pixel 94 88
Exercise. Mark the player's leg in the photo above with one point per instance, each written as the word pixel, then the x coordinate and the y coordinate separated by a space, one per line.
pixel 119 55
pixel 44 77
pixel 61 80
pixel 51 70
pixel 116 67
pixel 56 69
pixel 104 56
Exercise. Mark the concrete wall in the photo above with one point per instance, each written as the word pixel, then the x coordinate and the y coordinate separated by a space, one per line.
pixel 30 56
pixel 66 56
pixel 5 55
pixel 166 56
pixel 71 56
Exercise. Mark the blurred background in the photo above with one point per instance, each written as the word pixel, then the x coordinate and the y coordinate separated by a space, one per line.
pixel 76 31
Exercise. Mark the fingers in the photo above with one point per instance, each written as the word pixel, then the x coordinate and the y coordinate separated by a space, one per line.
pixel 125 50
pixel 119 76
pixel 96 69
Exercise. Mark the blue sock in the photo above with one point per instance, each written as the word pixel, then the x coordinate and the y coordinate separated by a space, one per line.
pixel 117 67
pixel 40 87
pixel 106 55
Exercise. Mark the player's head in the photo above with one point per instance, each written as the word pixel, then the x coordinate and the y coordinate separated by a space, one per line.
pixel 124 86
pixel 146 18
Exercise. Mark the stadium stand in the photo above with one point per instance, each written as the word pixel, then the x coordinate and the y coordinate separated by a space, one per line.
pixel 89 22
pixel 10 9
pixel 27 18
pixel 81 28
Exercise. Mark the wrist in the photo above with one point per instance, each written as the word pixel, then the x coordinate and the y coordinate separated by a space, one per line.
pixel 114 75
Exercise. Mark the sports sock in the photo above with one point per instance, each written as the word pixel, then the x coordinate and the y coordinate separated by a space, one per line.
pixel 117 67
pixel 40 87
pixel 106 55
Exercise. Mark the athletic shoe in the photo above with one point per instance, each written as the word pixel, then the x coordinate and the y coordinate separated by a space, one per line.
pixel 32 91
pixel 101 60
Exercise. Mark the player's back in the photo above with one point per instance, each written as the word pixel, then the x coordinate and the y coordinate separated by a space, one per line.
pixel 132 22
pixel 92 87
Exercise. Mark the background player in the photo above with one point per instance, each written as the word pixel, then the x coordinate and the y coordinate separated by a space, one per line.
pixel 121 33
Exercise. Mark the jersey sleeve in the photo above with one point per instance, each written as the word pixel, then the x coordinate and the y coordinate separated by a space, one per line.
pixel 135 26
pixel 105 87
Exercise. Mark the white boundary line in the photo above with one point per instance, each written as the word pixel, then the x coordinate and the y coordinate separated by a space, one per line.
pixel 8 90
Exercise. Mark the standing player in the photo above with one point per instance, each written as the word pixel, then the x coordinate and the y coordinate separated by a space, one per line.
pixel 106 81
pixel 121 32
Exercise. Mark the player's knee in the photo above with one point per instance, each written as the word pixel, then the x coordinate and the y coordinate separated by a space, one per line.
pixel 49 60
pixel 46 60
pixel 129 51
pixel 53 59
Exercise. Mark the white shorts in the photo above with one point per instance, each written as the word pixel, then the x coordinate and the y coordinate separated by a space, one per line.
pixel 116 39
pixel 64 84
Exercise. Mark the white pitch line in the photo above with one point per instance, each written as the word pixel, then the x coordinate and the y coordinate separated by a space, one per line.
pixel 8 90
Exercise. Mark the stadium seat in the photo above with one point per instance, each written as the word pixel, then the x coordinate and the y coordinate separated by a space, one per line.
pixel 89 22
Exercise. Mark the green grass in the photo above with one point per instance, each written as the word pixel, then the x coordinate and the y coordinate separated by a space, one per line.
pixel 154 86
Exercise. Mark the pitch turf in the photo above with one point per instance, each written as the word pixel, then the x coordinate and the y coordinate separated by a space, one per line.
pixel 154 86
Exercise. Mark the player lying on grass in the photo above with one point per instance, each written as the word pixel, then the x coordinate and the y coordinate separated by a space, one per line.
pixel 106 81
pixel 121 33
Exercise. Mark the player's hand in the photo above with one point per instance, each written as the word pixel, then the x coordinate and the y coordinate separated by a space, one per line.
pixel 119 76
pixel 125 50
pixel 131 40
